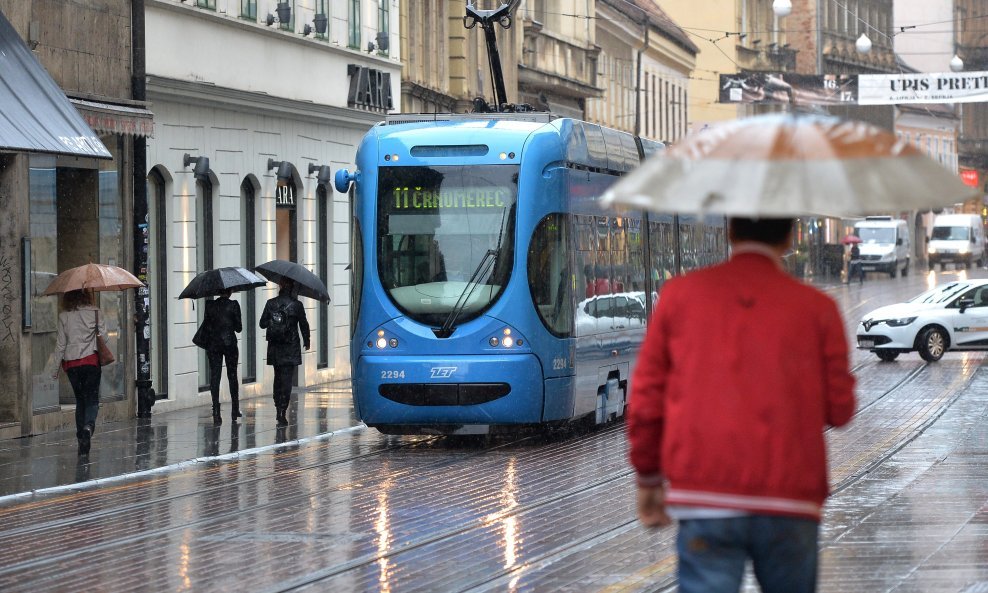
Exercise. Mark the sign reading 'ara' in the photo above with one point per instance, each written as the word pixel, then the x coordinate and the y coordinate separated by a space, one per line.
pixel 369 89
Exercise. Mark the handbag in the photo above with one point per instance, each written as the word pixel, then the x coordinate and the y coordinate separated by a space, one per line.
pixel 102 350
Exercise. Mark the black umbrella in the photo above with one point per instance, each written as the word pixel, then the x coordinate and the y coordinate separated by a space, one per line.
pixel 213 282
pixel 308 284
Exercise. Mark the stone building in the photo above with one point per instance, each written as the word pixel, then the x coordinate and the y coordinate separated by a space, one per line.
pixel 971 27
pixel 645 62
pixel 64 207
pixel 257 103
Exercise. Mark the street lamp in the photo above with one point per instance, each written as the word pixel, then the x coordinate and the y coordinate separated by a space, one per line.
pixel 956 63
pixel 782 7
pixel 863 44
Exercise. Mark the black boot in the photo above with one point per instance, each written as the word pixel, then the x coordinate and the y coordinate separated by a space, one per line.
pixel 282 419
pixel 217 419
pixel 85 440
pixel 235 411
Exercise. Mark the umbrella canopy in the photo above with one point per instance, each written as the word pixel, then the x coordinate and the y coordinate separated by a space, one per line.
pixel 93 277
pixel 849 239
pixel 308 284
pixel 213 282
pixel 790 165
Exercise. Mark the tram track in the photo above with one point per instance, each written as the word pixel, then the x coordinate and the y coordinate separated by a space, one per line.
pixel 499 578
pixel 605 486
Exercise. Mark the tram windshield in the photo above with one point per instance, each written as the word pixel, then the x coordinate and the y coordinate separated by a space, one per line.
pixel 445 238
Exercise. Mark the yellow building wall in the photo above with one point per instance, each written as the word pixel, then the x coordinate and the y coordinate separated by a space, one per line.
pixel 704 21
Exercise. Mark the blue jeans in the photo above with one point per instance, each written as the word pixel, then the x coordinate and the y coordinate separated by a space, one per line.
pixel 713 553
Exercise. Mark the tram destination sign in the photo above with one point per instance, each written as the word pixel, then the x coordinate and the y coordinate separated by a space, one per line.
pixel 419 198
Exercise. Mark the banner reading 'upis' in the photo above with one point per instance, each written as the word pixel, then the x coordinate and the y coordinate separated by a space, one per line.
pixel 935 87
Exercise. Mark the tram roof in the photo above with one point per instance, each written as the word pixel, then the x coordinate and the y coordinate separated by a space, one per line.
pixel 586 144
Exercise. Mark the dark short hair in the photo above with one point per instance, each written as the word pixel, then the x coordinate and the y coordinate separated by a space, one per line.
pixel 74 299
pixel 772 231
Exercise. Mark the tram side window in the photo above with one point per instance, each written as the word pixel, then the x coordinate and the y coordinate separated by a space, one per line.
pixel 357 267
pixel 635 277
pixel 620 280
pixel 549 276
pixel 689 244
pixel 662 247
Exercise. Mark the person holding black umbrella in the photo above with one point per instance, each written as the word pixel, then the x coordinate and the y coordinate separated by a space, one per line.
pixel 218 337
pixel 284 319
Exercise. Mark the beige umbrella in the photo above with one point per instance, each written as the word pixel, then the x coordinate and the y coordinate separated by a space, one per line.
pixel 93 277
pixel 789 165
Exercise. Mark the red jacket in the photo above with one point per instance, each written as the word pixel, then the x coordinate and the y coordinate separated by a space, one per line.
pixel 742 369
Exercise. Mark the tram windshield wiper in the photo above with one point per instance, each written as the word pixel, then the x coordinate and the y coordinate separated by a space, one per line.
pixel 483 268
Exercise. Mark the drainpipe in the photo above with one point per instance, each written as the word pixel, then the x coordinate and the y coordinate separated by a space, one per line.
pixel 638 80
pixel 145 395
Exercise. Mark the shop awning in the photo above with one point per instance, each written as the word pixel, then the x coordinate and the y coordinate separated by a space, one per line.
pixel 105 118
pixel 35 115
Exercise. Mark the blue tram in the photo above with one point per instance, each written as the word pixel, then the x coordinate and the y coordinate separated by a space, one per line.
pixel 490 288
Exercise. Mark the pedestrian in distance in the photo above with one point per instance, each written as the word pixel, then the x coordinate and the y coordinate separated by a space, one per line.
pixel 284 319
pixel 217 335
pixel 854 265
pixel 742 369
pixel 76 353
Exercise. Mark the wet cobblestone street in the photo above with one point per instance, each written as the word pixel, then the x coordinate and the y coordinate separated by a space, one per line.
pixel 328 505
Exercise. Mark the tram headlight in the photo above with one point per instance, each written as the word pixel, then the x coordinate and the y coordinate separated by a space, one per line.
pixel 382 343
pixel 393 342
pixel 494 341
pixel 508 342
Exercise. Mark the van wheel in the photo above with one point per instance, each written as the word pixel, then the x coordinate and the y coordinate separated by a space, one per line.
pixel 905 270
pixel 887 355
pixel 894 271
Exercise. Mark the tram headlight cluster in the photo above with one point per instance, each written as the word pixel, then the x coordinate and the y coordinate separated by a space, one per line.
pixel 383 341
pixel 506 340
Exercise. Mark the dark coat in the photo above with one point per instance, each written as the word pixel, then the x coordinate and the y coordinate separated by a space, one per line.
pixel 219 324
pixel 290 352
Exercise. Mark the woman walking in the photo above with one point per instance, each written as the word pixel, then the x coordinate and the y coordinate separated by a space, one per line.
pixel 284 318
pixel 218 337
pixel 75 351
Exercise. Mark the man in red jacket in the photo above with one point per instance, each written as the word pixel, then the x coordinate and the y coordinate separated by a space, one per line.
pixel 742 369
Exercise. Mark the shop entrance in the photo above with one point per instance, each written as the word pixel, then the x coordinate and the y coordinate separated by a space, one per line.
pixel 75 219
pixel 286 223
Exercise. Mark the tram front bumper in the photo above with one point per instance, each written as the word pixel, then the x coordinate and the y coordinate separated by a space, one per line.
pixel 417 390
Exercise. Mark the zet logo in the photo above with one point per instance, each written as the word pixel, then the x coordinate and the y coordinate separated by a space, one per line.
pixel 442 372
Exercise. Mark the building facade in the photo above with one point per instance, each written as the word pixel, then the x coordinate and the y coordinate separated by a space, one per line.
pixel 251 125
pixel 971 32
pixel 60 211
pixel 645 65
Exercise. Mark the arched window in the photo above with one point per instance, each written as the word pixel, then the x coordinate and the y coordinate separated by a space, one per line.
pixel 157 282
pixel 204 258
pixel 248 233
pixel 322 262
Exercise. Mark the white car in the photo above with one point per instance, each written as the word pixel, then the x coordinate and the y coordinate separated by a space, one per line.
pixel 952 316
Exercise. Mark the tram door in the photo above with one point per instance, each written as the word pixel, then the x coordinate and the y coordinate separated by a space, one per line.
pixel 286 228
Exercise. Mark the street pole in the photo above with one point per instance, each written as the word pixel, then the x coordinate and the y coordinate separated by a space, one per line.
pixel 142 298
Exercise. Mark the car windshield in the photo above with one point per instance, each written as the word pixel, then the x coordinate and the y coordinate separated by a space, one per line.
pixel 445 234
pixel 950 233
pixel 876 234
pixel 940 294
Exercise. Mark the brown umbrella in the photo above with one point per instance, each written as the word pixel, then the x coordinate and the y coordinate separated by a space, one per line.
pixel 93 277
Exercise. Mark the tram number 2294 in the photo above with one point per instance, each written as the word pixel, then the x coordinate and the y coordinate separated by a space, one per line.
pixel 393 374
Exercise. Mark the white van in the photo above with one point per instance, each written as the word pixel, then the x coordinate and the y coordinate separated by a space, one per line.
pixel 884 244
pixel 957 238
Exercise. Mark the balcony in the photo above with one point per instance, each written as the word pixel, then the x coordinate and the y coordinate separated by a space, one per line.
pixel 557 65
